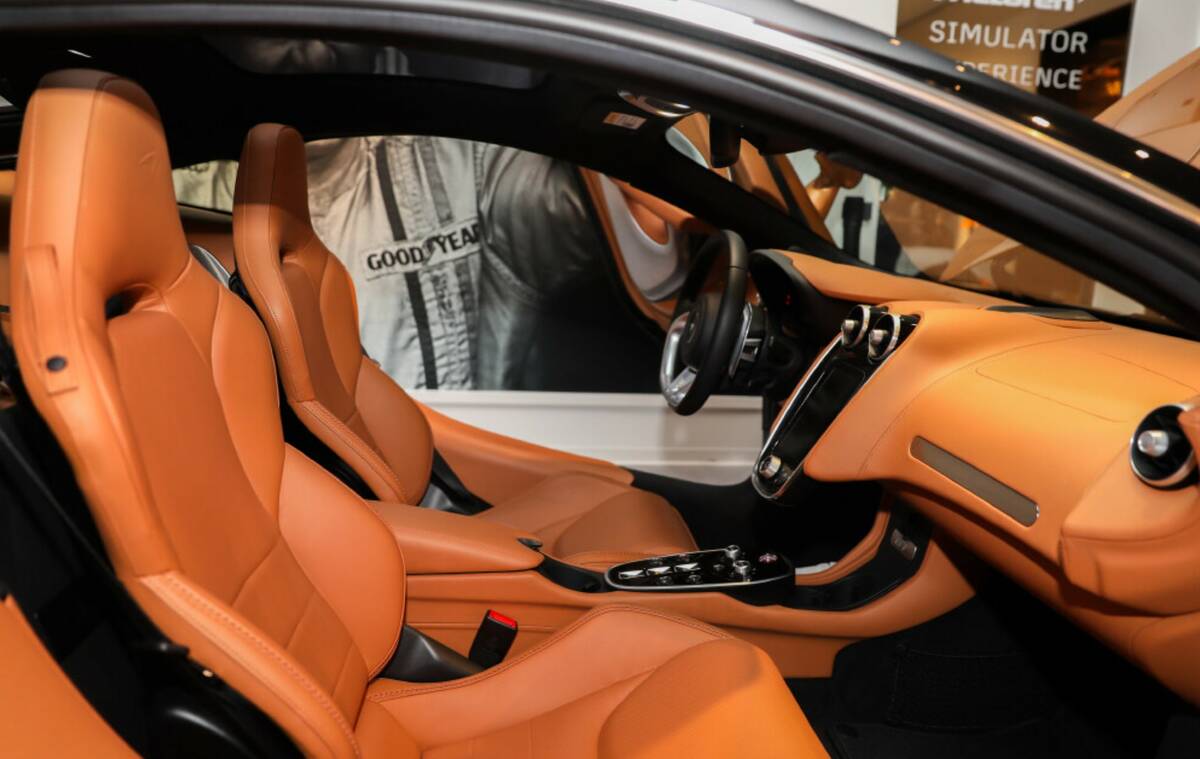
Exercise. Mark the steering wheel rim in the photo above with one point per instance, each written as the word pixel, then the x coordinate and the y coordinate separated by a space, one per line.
pixel 704 327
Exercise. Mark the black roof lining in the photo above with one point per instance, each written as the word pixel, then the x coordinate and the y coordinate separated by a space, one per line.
pixel 208 103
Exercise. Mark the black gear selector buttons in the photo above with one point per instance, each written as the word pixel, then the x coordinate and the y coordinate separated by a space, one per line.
pixel 757 575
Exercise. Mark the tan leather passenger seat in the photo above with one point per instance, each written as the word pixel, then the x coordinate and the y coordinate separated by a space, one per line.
pixel 307 300
pixel 272 573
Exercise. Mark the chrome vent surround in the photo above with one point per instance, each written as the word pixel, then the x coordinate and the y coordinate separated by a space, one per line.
pixel 1159 452
pixel 856 325
pixel 886 333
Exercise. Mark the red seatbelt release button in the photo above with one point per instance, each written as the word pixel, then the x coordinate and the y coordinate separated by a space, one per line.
pixel 493 639
pixel 507 621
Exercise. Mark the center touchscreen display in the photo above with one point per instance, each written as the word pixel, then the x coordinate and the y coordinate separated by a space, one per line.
pixel 833 391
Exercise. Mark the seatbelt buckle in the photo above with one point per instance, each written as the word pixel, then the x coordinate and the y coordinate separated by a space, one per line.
pixel 493 639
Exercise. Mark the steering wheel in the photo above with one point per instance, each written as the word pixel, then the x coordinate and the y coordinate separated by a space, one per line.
pixel 704 331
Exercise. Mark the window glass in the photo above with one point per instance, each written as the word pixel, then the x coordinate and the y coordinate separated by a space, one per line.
pixel 206 185
pixel 902 233
pixel 690 137
pixel 478 266
pixel 678 140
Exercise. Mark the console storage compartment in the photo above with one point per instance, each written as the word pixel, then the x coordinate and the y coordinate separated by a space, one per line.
pixel 439 542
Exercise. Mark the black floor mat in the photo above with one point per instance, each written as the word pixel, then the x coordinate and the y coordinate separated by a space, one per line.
pixel 1061 736
pixel 1001 676
pixel 876 741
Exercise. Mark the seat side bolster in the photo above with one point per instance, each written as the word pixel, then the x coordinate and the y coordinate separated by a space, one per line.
pixel 263 232
pixel 354 451
pixel 248 661
pixel 348 553
pixel 399 429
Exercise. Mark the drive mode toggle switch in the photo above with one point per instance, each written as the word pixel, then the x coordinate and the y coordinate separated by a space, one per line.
pixel 753 574
pixel 769 467
pixel 741 568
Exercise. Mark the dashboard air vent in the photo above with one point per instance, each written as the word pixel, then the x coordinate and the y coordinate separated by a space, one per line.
pixel 1159 452
pixel 886 333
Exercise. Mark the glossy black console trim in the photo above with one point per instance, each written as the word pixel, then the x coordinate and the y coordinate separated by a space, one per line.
pixel 713 566
pixel 825 384
pixel 888 568
pixel 572 577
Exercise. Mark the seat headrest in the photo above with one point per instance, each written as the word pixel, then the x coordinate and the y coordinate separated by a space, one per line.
pixel 94 181
pixel 273 179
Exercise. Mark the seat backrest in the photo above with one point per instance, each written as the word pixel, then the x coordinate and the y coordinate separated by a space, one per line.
pixel 160 386
pixel 306 299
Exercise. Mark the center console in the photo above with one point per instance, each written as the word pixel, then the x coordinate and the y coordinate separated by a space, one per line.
pixel 742 574
pixel 869 336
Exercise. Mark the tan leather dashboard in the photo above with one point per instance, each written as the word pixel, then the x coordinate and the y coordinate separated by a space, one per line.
pixel 1011 431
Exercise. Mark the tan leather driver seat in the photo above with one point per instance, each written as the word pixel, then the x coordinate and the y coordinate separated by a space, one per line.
pixel 307 300
pixel 159 384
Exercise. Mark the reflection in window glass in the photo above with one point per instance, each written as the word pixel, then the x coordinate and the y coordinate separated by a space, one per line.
pixel 902 233
pixel 678 140
pixel 477 266
pixel 206 185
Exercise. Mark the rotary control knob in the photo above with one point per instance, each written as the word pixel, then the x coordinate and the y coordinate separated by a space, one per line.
pixel 733 553
pixel 741 568
pixel 1153 443
pixel 769 467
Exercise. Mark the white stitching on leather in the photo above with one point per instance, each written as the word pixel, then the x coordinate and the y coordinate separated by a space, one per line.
pixel 336 426
pixel 204 605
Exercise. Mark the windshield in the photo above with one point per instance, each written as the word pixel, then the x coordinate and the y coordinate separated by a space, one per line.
pixel 902 233
pixel 894 230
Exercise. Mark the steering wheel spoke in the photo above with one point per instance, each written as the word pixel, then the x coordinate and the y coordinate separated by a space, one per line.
pixel 704 333
pixel 678 388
